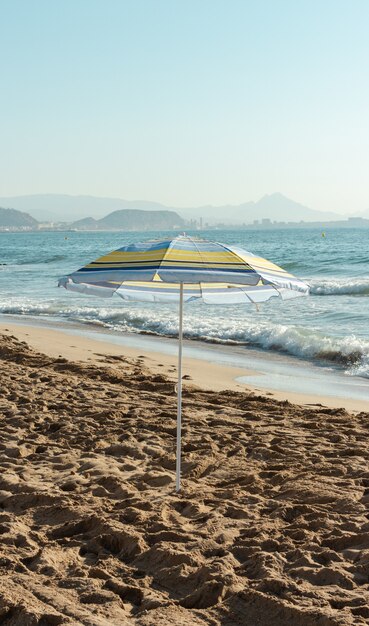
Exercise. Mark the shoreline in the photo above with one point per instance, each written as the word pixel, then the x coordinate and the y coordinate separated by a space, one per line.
pixel 209 367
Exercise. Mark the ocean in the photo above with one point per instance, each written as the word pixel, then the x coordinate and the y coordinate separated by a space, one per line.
pixel 329 328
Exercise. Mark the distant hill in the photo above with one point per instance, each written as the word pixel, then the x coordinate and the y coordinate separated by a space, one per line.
pixel 65 208
pixel 56 207
pixel 11 218
pixel 132 219
pixel 275 207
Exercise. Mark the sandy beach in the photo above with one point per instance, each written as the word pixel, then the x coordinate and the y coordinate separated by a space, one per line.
pixel 271 527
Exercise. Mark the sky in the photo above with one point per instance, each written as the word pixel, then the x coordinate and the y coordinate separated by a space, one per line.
pixel 186 102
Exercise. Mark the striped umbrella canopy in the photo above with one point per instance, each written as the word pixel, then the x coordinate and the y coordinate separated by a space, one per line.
pixel 153 270
pixel 184 269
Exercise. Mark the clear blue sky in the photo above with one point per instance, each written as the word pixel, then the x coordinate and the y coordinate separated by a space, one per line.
pixel 186 102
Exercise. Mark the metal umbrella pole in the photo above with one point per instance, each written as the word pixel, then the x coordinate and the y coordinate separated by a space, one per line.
pixel 179 390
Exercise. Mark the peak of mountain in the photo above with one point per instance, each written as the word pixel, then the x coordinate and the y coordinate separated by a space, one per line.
pixel 275 207
pixel 11 218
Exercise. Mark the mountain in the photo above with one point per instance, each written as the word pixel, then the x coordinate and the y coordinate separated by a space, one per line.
pixel 275 207
pixel 65 208
pixel 278 207
pixel 10 218
pixel 132 219
pixel 55 207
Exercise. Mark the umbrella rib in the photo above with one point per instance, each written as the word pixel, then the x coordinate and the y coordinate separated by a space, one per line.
pixel 238 257
pixel 247 295
pixel 255 269
pixel 171 243
pixel 199 252
pixel 273 286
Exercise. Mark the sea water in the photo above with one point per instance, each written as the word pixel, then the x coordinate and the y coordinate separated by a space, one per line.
pixel 329 328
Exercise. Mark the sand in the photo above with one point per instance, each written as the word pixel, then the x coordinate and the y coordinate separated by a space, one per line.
pixel 206 374
pixel 271 528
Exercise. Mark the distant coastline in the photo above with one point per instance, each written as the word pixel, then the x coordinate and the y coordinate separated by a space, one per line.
pixel 351 222
pixel 263 224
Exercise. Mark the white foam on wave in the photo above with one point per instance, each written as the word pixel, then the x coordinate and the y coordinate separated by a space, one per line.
pixel 361 368
pixel 306 343
pixel 340 287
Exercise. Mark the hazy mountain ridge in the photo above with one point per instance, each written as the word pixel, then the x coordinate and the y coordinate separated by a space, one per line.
pixel 56 207
pixel 275 207
pixel 146 220
pixel 132 219
pixel 66 208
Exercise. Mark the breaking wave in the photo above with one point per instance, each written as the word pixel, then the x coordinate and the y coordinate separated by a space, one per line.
pixel 340 287
pixel 348 352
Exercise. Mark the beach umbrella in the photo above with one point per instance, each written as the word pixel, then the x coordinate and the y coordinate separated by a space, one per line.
pixel 184 269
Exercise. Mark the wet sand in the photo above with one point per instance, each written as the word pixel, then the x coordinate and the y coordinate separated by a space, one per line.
pixel 271 528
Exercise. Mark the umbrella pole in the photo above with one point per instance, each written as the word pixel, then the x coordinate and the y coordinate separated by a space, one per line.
pixel 179 390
